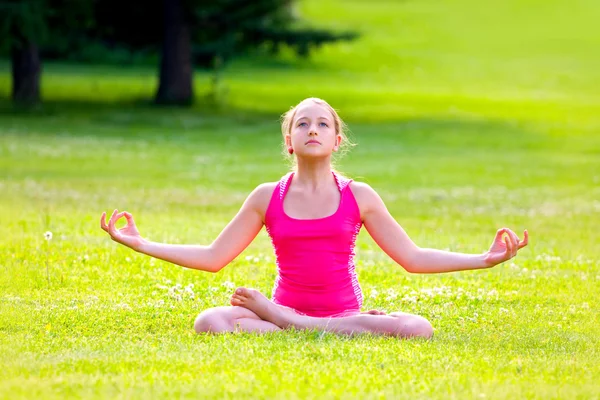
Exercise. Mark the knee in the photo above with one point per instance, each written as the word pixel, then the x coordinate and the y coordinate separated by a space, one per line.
pixel 211 320
pixel 416 326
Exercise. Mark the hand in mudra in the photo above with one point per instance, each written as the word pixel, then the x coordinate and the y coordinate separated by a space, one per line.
pixel 505 246
pixel 128 236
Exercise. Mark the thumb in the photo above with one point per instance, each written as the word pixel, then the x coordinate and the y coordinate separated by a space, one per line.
pixel 129 217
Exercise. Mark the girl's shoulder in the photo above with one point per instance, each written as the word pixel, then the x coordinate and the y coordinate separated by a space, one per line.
pixel 361 188
pixel 260 197
pixel 366 197
pixel 264 191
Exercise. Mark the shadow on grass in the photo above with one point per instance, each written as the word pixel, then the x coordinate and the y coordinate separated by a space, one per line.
pixel 140 118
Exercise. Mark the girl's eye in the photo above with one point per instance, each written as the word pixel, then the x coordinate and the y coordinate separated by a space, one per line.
pixel 302 124
pixel 323 124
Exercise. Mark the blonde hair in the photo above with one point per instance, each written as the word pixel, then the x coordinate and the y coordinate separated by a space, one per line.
pixel 340 127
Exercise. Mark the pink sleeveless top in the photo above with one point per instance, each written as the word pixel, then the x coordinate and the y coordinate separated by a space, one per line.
pixel 315 257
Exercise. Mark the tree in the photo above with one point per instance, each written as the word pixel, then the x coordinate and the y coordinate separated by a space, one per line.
pixel 24 28
pixel 20 22
pixel 202 33
pixel 176 70
pixel 185 33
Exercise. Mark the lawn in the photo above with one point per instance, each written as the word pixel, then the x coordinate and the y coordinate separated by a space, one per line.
pixel 467 117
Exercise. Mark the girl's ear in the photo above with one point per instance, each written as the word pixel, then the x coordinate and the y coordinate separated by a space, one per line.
pixel 338 142
pixel 288 140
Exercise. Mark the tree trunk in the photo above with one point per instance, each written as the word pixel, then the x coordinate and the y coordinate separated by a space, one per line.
pixel 26 72
pixel 175 86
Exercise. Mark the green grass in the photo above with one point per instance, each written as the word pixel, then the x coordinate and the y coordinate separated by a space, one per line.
pixel 468 118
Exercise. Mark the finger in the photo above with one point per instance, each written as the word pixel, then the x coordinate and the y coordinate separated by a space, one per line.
pixel 525 240
pixel 129 218
pixel 499 233
pixel 509 247
pixel 103 222
pixel 118 217
pixel 514 241
pixel 111 223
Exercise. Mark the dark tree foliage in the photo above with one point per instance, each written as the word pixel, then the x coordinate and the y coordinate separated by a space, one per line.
pixel 183 34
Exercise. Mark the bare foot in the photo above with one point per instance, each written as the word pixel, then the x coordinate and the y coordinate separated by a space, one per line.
pixel 255 301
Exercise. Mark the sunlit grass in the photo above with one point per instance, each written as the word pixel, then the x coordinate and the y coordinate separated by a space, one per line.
pixel 461 133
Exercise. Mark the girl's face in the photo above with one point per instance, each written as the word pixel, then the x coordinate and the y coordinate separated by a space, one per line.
pixel 313 131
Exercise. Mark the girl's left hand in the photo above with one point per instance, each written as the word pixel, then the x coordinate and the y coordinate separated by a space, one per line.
pixel 505 246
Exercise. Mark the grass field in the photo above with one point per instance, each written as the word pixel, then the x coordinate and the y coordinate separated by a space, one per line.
pixel 467 117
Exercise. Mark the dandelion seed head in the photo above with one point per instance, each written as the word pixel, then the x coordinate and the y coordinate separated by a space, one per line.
pixel 48 235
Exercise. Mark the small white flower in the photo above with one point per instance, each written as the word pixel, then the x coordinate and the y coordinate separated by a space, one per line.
pixel 228 284
pixel 189 291
pixel 48 235
pixel 503 310
pixel 374 293
pixel 409 299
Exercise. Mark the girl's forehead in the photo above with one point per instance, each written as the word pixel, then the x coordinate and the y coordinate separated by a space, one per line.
pixel 312 109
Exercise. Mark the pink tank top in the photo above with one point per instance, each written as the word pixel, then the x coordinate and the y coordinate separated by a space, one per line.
pixel 315 257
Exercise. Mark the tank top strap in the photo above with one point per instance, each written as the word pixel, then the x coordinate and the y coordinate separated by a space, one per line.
pixel 275 207
pixel 342 182
pixel 284 185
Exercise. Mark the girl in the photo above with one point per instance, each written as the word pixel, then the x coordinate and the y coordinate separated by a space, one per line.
pixel 313 216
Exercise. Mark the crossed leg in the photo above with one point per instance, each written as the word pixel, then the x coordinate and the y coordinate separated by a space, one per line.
pixel 253 312
pixel 232 319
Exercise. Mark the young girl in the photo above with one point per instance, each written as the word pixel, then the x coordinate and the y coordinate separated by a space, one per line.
pixel 313 216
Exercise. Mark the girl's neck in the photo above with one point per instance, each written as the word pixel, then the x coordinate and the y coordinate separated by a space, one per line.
pixel 313 176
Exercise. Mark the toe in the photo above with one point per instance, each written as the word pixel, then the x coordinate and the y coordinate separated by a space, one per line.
pixel 243 292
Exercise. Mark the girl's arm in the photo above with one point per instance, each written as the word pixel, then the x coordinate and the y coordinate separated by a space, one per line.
pixel 234 238
pixel 394 241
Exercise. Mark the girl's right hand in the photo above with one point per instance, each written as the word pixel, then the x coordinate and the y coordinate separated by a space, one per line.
pixel 128 236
